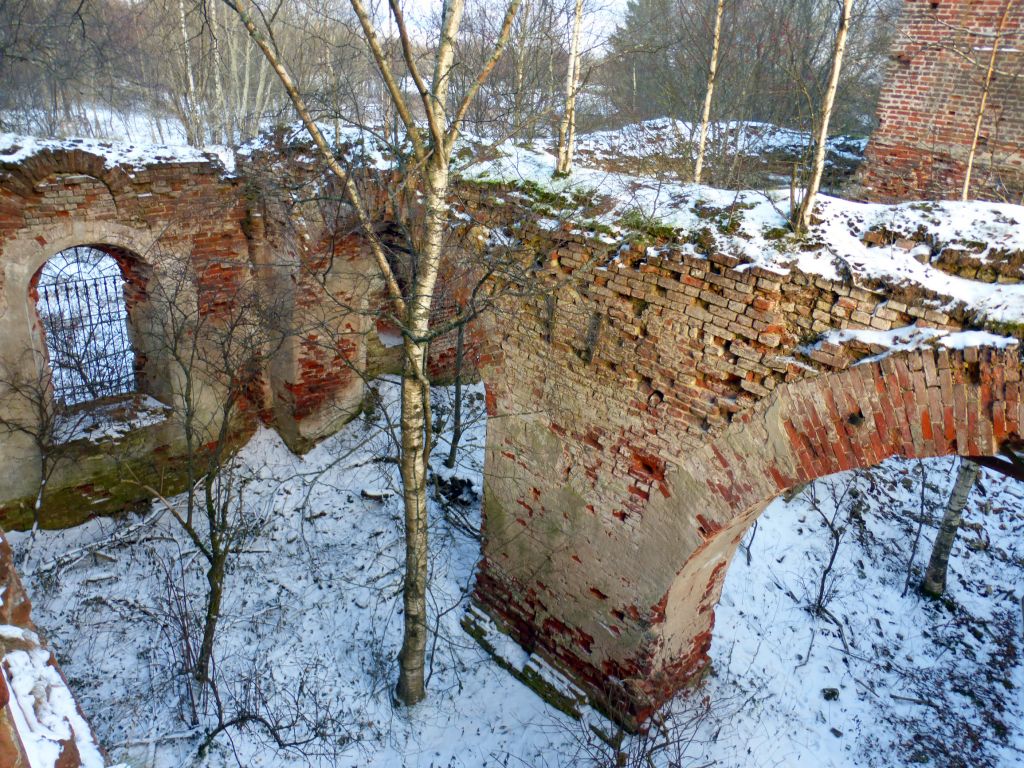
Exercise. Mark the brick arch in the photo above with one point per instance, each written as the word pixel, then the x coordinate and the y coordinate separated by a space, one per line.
pixel 135 269
pixel 923 403
pixel 24 177
pixel 622 597
pixel 131 245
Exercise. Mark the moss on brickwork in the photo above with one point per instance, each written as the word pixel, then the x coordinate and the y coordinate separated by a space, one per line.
pixel 110 477
pixel 106 493
pixel 647 227
pixel 1005 328
pixel 528 676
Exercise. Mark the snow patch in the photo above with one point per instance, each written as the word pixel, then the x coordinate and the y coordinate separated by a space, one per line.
pixel 912 337
pixel 16 148
pixel 44 711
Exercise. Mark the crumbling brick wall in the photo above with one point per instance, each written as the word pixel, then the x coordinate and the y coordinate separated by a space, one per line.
pixel 20 637
pixel 188 213
pixel 279 224
pixel 644 413
pixel 931 100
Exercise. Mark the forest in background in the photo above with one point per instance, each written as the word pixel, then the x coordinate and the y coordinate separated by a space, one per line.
pixel 181 69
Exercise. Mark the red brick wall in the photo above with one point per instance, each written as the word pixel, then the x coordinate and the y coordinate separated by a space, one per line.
pixel 642 420
pixel 58 199
pixel 931 99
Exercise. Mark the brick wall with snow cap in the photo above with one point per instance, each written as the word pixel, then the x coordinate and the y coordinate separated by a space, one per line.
pixel 643 415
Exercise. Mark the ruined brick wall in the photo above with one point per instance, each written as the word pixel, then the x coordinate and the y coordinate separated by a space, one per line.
pixel 20 642
pixel 309 251
pixel 148 218
pixel 279 226
pixel 642 416
pixel 931 99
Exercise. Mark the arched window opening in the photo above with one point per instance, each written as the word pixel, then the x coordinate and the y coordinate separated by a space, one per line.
pixel 80 299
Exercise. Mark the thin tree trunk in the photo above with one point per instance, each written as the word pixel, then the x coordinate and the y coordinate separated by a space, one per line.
pixel 803 219
pixel 215 580
pixel 411 688
pixel 984 101
pixel 567 127
pixel 191 123
pixel 457 415
pixel 520 71
pixel 415 444
pixel 37 508
pixel 433 154
pixel 712 73
pixel 219 121
pixel 934 583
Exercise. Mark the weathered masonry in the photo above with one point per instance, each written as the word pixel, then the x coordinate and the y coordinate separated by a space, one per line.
pixel 641 415
pixel 641 421
pixel 933 96
pixel 188 239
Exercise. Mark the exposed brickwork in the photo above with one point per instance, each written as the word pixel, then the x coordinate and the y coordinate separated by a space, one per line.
pixel 642 413
pixel 642 420
pixel 279 225
pixel 931 99
pixel 146 218
pixel 20 634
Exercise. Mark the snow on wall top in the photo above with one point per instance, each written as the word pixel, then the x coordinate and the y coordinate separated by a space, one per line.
pixel 44 712
pixel 16 148
pixel 666 136
pixel 868 243
pixel 750 224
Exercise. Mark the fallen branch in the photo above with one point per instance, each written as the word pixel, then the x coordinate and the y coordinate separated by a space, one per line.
pixel 911 700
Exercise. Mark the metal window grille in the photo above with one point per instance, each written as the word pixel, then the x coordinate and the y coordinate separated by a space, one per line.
pixel 82 307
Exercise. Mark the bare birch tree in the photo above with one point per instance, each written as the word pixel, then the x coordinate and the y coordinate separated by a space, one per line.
pixel 934 582
pixel 802 220
pixel 432 150
pixel 567 126
pixel 705 117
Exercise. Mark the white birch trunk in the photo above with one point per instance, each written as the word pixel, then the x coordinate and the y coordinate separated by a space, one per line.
pixel 191 123
pixel 803 219
pixel 705 118
pixel 986 88
pixel 934 583
pixel 567 127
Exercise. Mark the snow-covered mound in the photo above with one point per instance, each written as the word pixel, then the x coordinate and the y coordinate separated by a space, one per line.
pixel 665 137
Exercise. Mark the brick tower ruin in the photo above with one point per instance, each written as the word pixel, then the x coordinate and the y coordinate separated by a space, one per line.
pixel 932 97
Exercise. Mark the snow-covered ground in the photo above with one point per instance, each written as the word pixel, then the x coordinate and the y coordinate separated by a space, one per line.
pixel 311 624
pixel 665 137
pixel 101 122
